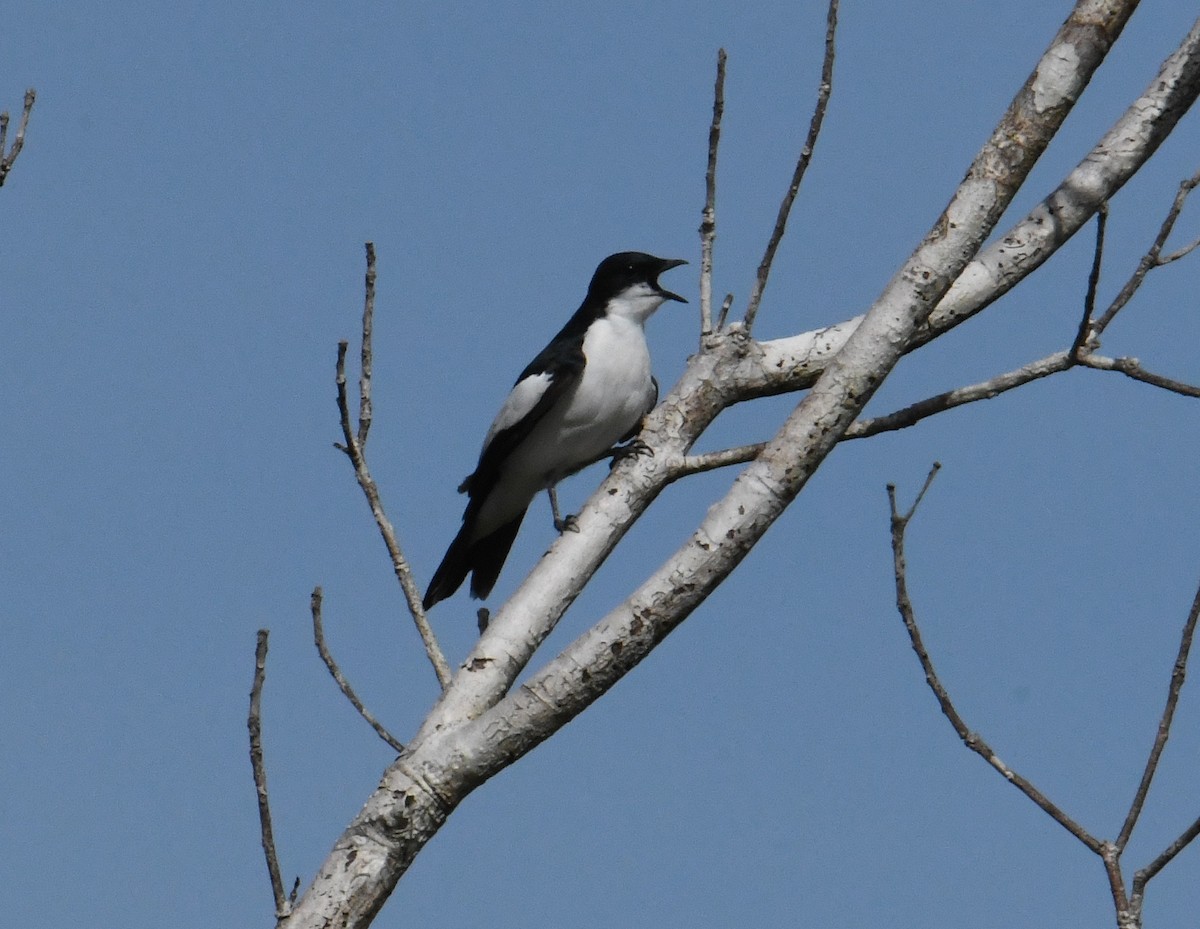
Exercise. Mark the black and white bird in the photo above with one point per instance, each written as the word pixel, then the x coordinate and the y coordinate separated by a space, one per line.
pixel 585 392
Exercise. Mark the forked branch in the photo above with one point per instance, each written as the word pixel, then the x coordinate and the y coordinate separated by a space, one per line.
pixel 1128 905
pixel 354 445
pixel 971 740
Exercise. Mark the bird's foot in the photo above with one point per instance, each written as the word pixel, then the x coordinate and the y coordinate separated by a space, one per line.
pixel 635 448
pixel 568 523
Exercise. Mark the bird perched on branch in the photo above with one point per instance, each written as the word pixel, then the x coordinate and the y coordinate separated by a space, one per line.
pixel 585 392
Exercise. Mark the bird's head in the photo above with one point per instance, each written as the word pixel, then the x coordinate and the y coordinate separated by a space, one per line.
pixel 626 284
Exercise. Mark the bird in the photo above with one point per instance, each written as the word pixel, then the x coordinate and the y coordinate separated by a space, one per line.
pixel 586 391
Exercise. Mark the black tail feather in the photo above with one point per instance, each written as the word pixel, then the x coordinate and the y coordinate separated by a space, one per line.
pixel 482 559
pixel 487 556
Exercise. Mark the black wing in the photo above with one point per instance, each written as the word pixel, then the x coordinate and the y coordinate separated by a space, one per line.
pixel 564 364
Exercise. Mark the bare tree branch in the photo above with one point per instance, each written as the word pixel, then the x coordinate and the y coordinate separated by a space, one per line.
pixel 7 159
pixel 724 314
pixel 1128 906
pixel 708 222
pixel 1084 335
pixel 814 130
pixel 254 724
pixel 1178 673
pixel 482 722
pixel 339 678
pixel 1153 257
pixel 364 375
pixel 795 362
pixel 1141 878
pixel 353 446
pixel 1131 367
pixel 971 740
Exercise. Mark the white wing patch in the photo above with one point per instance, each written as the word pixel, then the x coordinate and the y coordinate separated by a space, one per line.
pixel 520 401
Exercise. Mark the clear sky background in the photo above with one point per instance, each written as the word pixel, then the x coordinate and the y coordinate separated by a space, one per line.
pixel 181 247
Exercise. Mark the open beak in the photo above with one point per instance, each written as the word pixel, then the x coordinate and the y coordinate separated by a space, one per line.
pixel 667 265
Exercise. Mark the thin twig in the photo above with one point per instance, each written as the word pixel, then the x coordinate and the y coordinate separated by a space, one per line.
pixel 708 222
pixel 984 390
pixel 1132 368
pixel 724 314
pixel 1178 672
pixel 814 130
pixel 1084 334
pixel 931 406
pixel 254 724
pixel 364 373
pixel 340 679
pixel 1153 257
pixel 7 159
pixel 354 450
pixel 972 740
pixel 711 461
pixel 1143 876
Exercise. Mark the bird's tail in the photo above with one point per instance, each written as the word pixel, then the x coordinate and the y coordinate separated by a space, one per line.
pixel 483 559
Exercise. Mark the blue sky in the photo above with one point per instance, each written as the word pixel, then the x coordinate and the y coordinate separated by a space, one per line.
pixel 182 249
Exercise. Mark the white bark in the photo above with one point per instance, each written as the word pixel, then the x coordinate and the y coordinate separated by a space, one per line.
pixel 478 727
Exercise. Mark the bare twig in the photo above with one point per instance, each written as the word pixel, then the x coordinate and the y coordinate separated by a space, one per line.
pixel 940 403
pixel 711 461
pixel 899 419
pixel 724 315
pixel 1178 672
pixel 340 679
pixel 1143 876
pixel 972 740
pixel 1084 335
pixel 1153 257
pixel 708 222
pixel 984 390
pixel 254 724
pixel 353 448
pixel 7 158
pixel 364 373
pixel 814 130
pixel 1131 367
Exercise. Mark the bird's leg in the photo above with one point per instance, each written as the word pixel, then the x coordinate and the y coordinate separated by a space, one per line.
pixel 566 523
pixel 634 448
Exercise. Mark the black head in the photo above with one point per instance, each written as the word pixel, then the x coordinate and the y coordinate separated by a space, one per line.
pixel 617 273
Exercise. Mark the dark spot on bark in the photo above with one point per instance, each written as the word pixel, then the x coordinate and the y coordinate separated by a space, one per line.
pixel 611 491
pixel 636 625
pixel 617 647
pixel 478 664
pixel 353 853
